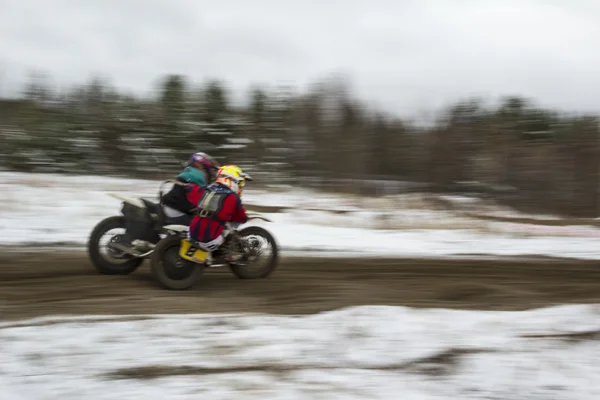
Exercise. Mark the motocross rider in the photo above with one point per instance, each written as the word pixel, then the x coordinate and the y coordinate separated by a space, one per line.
pixel 200 170
pixel 218 204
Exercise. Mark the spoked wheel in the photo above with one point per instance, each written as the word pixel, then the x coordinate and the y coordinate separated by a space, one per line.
pixel 106 258
pixel 169 269
pixel 255 252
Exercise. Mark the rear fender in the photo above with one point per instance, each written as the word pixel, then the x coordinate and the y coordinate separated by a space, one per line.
pixel 176 228
pixel 131 200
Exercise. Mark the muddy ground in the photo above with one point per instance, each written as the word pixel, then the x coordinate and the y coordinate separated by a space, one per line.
pixel 64 282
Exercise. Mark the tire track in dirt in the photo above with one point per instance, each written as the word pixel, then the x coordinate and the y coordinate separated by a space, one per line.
pixel 64 282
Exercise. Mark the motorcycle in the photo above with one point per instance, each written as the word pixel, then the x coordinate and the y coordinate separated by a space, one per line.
pixel 178 261
pixel 145 224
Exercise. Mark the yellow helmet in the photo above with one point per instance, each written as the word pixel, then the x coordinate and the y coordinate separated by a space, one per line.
pixel 233 177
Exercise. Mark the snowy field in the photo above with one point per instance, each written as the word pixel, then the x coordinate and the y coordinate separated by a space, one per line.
pixel 55 209
pixel 354 353
pixel 363 352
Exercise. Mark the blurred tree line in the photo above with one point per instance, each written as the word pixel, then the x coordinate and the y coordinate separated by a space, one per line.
pixel 533 158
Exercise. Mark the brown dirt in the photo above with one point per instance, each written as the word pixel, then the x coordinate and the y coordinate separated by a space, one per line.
pixel 442 363
pixel 63 282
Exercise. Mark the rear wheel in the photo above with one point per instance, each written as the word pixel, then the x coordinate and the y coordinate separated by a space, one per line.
pixel 251 246
pixel 107 260
pixel 169 269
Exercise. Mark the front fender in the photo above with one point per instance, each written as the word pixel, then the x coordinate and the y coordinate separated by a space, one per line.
pixel 255 215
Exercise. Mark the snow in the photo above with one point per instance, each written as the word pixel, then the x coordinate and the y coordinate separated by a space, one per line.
pixel 374 352
pixel 49 209
pixel 296 235
pixel 367 352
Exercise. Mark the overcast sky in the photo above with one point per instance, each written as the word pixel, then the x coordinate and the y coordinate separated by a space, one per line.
pixel 406 55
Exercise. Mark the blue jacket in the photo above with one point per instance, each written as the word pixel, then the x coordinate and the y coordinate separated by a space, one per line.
pixel 193 175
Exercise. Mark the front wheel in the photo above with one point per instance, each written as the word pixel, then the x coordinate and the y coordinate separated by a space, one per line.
pixel 113 262
pixel 169 269
pixel 249 245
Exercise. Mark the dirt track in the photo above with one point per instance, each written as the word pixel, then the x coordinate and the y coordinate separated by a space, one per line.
pixel 64 282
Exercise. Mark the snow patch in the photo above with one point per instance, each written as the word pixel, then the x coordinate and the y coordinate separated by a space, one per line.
pixel 46 209
pixel 373 352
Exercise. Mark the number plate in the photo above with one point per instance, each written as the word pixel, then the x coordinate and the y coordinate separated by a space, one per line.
pixel 191 253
